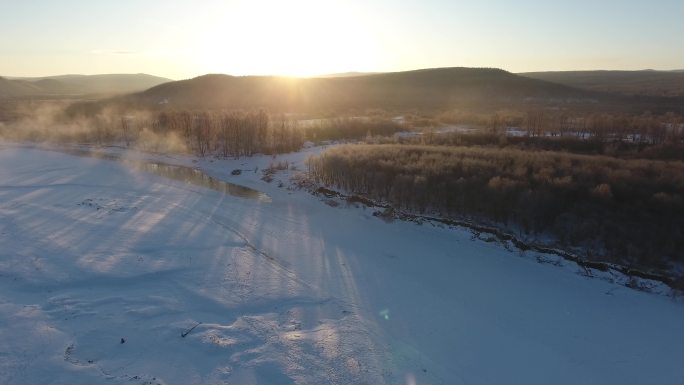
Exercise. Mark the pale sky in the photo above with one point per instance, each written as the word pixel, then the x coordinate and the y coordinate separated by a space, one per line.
pixel 181 38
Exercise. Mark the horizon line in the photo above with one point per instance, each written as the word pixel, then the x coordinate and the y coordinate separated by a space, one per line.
pixel 334 74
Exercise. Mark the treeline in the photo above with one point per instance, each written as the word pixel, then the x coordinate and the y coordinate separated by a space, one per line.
pixel 627 211
pixel 572 144
pixel 233 134
pixel 645 136
pixel 224 133
pixel 228 134
pixel 644 128
pixel 349 128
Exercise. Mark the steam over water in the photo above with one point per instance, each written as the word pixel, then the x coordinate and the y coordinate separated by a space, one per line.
pixel 183 174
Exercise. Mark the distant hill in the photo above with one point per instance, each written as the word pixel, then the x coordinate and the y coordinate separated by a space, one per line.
pixel 69 85
pixel 346 74
pixel 421 89
pixel 642 83
pixel 12 88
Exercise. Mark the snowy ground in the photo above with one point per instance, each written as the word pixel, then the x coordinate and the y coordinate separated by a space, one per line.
pixel 291 291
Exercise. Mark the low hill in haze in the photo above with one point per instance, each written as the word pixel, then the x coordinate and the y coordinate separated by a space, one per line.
pixel 71 85
pixel 346 74
pixel 420 89
pixel 643 83
pixel 13 88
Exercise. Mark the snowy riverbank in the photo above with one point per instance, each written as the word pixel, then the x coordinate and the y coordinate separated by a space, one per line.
pixel 287 291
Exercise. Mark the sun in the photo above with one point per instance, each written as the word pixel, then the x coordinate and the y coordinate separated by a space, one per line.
pixel 293 38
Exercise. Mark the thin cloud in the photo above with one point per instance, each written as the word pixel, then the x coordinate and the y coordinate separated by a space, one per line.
pixel 113 52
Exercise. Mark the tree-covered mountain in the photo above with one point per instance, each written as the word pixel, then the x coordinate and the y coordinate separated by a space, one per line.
pixel 645 83
pixel 428 88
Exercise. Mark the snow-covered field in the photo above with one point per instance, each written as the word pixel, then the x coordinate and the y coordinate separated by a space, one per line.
pixel 104 269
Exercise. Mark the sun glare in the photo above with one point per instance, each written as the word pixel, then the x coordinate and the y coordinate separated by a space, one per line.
pixel 299 38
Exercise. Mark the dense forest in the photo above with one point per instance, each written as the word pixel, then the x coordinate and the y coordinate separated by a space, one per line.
pixel 644 82
pixel 604 126
pixel 229 134
pixel 219 133
pixel 620 210
pixel 233 134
